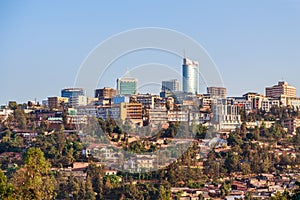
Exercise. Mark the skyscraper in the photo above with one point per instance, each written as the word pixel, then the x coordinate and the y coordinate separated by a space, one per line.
pixel 171 85
pixel 127 86
pixel 190 73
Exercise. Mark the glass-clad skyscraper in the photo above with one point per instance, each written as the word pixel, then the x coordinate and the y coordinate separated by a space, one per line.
pixel 190 73
pixel 127 86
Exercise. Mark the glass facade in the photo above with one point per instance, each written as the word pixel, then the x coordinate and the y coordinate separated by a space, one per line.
pixel 127 86
pixel 190 73
pixel 72 92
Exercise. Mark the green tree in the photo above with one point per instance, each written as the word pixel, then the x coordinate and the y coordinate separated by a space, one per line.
pixel 34 180
pixel 232 162
pixel 225 189
pixel 73 187
pixel 7 191
pixel 89 192
pixel 296 192
pixel 20 116
pixel 281 196
pixel 163 194
pixel 12 105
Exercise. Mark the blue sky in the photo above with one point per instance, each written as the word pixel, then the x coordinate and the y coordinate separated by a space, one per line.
pixel 43 43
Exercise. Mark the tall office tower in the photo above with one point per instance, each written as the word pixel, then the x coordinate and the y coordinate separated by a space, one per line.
pixel 217 92
pixel 190 73
pixel 72 92
pixel 170 86
pixel 283 88
pixel 127 86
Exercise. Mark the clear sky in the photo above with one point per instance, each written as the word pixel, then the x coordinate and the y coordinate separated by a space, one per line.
pixel 43 43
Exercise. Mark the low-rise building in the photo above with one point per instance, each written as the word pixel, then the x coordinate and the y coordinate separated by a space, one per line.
pixel 4 113
pixel 225 117
pixel 291 124
pixel 75 101
pixel 110 111
pixel 178 115
pixel 132 112
pixel 158 116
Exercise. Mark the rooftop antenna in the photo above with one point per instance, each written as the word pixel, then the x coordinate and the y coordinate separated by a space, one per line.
pixel 184 56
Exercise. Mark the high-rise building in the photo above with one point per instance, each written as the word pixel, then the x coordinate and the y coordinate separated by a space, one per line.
pixel 72 92
pixel 283 88
pixel 170 86
pixel 219 92
pixel 190 73
pixel 127 86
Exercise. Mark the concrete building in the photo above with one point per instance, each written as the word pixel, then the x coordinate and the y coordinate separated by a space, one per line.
pixel 88 110
pixel 57 102
pixel 158 116
pixel 127 86
pixel 91 100
pixel 4 113
pixel 283 88
pixel 190 74
pixel 111 111
pixel 255 99
pixel 132 112
pixel 105 93
pixel 147 100
pixel 290 101
pixel 196 117
pixel 242 103
pixel 251 95
pixel 178 115
pixel 291 124
pixel 77 119
pixel 75 101
pixel 217 92
pixel 226 117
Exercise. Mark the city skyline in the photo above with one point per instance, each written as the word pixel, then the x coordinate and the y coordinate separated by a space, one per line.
pixel 42 49
pixel 67 91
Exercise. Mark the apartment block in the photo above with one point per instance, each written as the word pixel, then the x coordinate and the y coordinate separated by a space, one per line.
pixel 282 88
pixel 219 92
pixel 132 112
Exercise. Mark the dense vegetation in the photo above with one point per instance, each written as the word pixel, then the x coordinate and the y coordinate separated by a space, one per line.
pixel 32 177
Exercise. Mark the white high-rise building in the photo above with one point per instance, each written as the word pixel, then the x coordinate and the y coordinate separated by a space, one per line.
pixel 190 73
